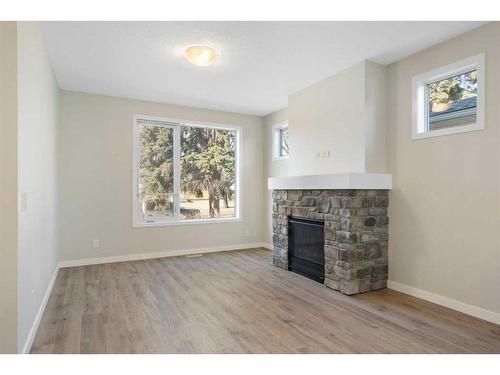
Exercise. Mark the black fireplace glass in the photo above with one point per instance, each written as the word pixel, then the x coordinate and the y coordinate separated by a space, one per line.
pixel 306 248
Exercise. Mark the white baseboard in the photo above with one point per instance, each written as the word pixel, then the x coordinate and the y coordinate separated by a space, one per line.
pixel 267 246
pixel 162 254
pixel 34 328
pixel 465 308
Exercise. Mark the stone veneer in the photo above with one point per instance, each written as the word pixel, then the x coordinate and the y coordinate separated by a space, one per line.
pixel 356 234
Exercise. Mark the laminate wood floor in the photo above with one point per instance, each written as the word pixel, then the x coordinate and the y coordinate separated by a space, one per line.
pixel 237 302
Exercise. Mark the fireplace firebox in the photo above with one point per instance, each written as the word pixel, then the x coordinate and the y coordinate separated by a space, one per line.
pixel 306 246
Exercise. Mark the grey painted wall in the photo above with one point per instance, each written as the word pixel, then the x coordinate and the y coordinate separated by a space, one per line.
pixel 95 161
pixel 38 99
pixel 445 205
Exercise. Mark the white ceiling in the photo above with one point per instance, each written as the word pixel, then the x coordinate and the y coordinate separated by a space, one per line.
pixel 261 63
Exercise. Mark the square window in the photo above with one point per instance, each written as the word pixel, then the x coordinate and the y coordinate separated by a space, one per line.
pixel 450 99
pixel 184 172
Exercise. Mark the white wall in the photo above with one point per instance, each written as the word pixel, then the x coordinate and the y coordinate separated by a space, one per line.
pixel 272 168
pixel 8 187
pixel 375 120
pixel 37 126
pixel 445 205
pixel 328 116
pixel 343 115
pixel 95 161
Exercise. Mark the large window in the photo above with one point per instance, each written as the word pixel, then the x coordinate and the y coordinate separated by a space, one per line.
pixel 450 99
pixel 184 172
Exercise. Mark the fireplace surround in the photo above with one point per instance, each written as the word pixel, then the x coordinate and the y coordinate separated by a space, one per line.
pixel 355 234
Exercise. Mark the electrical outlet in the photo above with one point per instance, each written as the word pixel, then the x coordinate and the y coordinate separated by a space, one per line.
pixel 326 154
pixel 96 244
pixel 316 155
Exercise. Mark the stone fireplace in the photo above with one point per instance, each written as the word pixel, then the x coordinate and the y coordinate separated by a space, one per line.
pixel 356 233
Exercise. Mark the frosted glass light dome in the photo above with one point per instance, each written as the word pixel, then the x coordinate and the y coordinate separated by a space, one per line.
pixel 201 55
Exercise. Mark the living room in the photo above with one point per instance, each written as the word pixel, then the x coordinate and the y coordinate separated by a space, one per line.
pixel 214 187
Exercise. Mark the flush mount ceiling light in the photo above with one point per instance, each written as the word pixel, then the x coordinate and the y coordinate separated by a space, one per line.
pixel 201 55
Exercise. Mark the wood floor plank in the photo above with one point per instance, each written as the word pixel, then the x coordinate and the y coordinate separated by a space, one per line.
pixel 237 302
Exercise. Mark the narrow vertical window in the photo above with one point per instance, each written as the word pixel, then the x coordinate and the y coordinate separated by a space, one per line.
pixel 280 142
pixel 284 142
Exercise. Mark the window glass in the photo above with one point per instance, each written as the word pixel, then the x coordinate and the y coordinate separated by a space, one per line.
pixel 208 166
pixel 452 101
pixel 156 171
pixel 284 141
pixel 280 141
pixel 184 172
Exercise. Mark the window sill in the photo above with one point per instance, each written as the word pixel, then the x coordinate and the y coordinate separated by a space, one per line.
pixel 449 131
pixel 276 158
pixel 145 224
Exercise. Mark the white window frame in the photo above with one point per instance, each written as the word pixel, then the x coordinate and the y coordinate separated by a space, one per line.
pixel 420 121
pixel 276 139
pixel 176 219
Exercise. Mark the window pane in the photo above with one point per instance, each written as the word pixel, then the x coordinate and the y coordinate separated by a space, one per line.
pixel 156 172
pixel 208 167
pixel 284 142
pixel 452 101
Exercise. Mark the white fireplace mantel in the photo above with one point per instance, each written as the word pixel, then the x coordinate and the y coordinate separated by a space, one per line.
pixel 359 181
